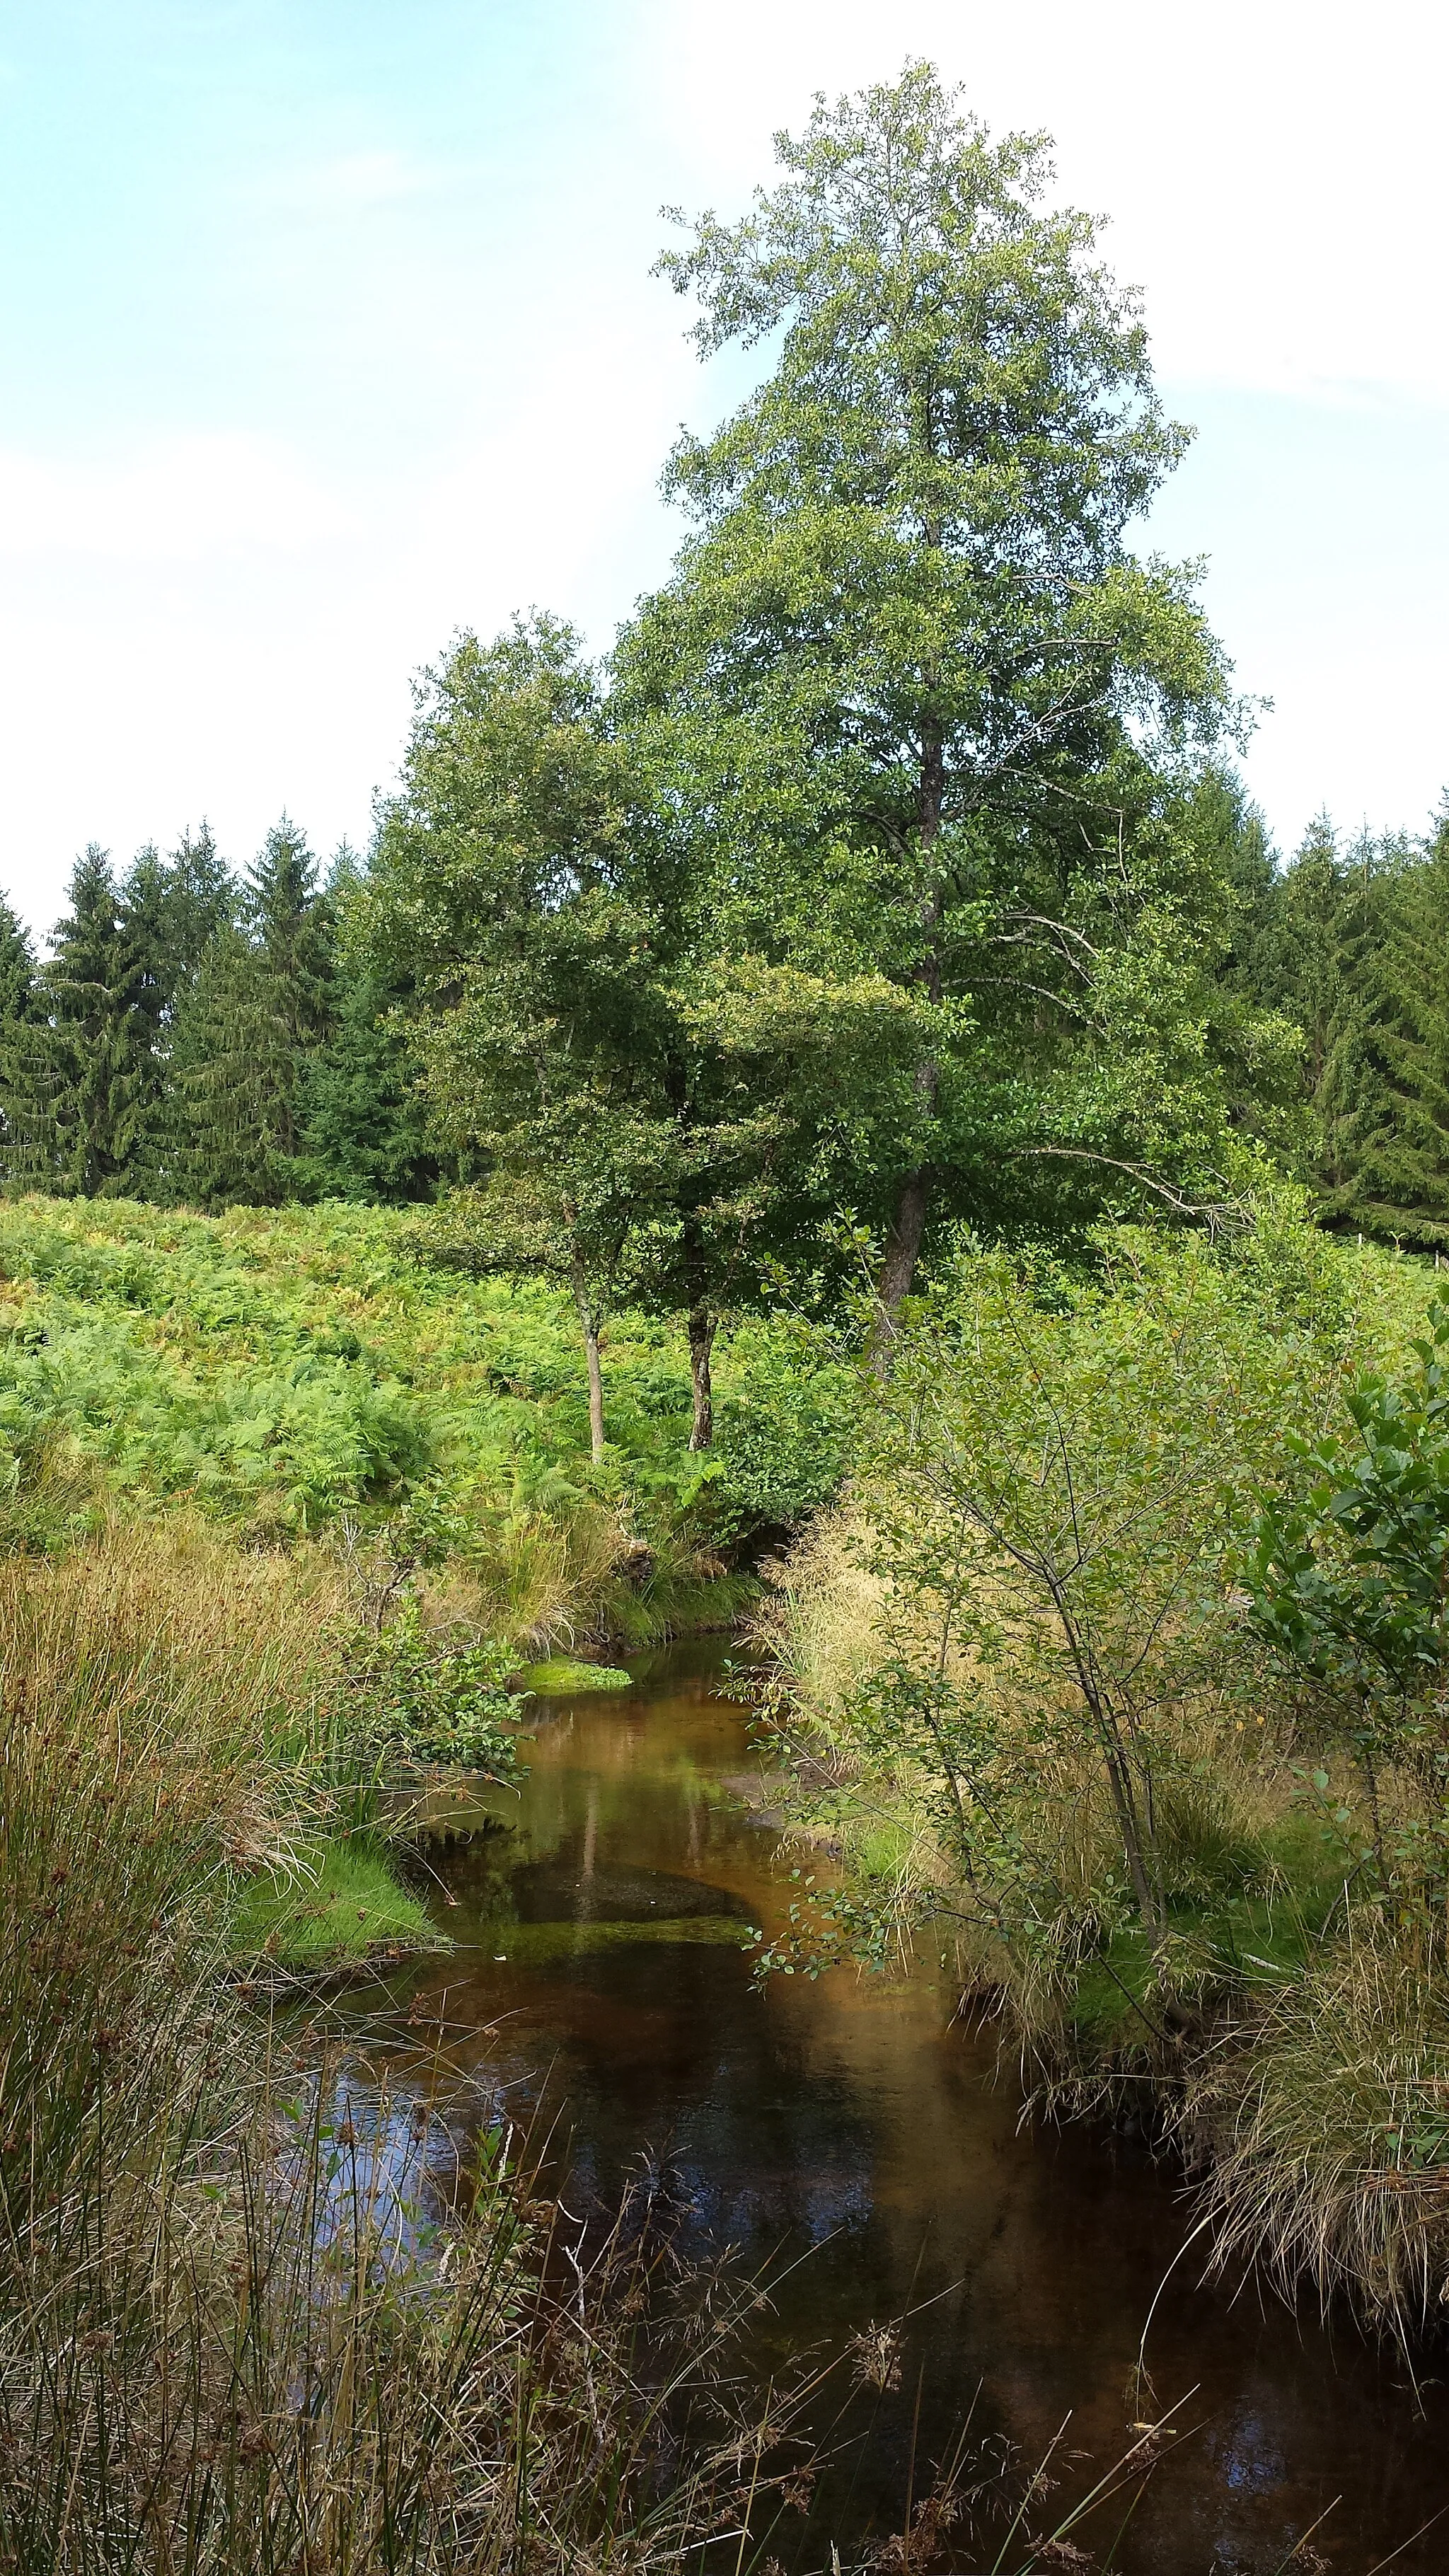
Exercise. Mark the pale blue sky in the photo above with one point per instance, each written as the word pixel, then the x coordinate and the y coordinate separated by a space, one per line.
pixel 327 328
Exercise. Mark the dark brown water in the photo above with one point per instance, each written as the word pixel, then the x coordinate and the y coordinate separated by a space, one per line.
pixel 854 2122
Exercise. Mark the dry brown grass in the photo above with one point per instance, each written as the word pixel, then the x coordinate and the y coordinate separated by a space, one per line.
pixel 822 1614
pixel 1329 2126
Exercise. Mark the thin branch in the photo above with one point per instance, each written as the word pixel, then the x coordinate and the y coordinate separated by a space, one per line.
pixel 1216 1211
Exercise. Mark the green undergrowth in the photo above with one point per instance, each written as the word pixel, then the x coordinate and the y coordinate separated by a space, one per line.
pixel 1119 1681
pixel 298 1371
pixel 1246 1940
pixel 335 1906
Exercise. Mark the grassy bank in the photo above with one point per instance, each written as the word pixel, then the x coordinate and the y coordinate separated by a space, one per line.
pixel 1033 1697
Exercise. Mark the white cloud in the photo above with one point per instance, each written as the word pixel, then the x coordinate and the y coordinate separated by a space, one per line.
pixel 185 500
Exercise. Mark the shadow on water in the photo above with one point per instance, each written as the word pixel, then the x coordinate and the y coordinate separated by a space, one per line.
pixel 601 1984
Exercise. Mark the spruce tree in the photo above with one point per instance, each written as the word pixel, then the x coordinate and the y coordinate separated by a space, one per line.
pixel 177 909
pixel 1331 913
pixel 202 899
pixel 81 1086
pixel 1404 1180
pixel 17 1008
pixel 362 1121
pixel 146 928
pixel 219 1136
pixel 362 1117
pixel 259 1006
pixel 17 968
pixel 1231 835
pixel 291 926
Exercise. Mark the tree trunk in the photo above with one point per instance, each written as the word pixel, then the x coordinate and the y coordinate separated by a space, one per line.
pixel 596 1393
pixel 1130 1828
pixel 1139 1849
pixel 903 1244
pixel 701 1342
pixel 589 1320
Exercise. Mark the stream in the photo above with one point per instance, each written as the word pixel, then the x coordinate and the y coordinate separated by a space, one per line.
pixel 598 1989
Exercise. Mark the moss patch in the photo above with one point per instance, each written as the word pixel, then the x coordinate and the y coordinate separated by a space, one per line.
pixel 342 1907
pixel 554 1679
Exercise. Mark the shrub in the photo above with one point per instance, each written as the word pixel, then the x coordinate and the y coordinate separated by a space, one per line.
pixel 441 1696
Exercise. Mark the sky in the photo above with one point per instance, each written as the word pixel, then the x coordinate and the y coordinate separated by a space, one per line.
pixel 327 328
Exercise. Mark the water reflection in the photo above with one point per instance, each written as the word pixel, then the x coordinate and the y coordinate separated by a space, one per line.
pixel 600 1986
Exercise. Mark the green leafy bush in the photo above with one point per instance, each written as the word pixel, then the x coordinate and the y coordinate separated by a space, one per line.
pixel 1351 1577
pixel 440 1697
pixel 785 1427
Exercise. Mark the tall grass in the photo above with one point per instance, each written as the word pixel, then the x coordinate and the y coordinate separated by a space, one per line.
pixel 1328 2120
pixel 147 1682
pixel 242 2324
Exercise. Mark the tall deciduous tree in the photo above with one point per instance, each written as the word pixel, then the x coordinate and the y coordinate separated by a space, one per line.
pixel 907 650
pixel 496 897
pixel 655 1104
